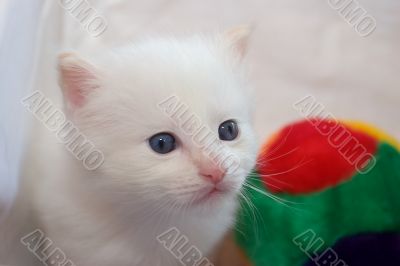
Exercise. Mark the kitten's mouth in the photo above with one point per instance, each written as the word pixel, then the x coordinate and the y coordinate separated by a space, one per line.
pixel 209 194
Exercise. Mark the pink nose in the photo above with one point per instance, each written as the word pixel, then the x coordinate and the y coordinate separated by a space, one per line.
pixel 215 175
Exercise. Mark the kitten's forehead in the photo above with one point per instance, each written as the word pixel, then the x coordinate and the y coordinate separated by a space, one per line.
pixel 197 71
pixel 166 107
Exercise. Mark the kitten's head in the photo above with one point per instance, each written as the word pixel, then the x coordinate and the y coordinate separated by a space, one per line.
pixel 171 117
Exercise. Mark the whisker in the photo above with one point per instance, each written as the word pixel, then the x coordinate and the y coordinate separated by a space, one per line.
pixel 276 198
pixel 265 182
pixel 270 178
pixel 280 144
pixel 289 170
pixel 285 154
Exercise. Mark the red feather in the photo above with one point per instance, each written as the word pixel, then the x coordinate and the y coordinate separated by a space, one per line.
pixel 310 156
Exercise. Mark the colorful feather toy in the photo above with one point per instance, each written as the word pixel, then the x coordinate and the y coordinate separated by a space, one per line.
pixel 324 193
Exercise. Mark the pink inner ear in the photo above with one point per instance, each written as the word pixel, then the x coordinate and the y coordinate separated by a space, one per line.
pixel 238 38
pixel 72 87
pixel 76 83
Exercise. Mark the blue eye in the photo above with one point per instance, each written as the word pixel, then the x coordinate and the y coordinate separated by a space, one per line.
pixel 228 130
pixel 162 143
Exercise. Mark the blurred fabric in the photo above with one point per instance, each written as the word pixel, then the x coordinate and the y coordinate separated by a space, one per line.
pixel 298 48
pixel 19 35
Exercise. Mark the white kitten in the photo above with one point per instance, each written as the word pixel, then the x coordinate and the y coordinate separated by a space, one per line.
pixel 113 215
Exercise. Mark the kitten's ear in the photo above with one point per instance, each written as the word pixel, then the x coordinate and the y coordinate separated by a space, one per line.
pixel 238 38
pixel 77 78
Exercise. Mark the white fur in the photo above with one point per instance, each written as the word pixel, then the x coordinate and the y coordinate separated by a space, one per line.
pixel 112 216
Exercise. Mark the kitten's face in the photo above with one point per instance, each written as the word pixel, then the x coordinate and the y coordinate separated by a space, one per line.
pixel 148 112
